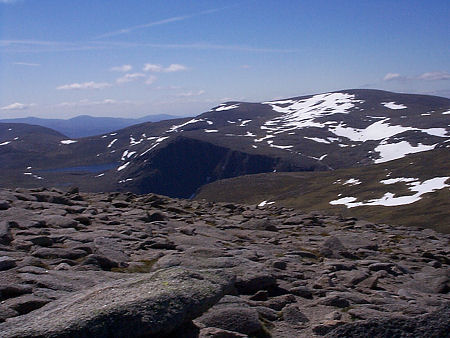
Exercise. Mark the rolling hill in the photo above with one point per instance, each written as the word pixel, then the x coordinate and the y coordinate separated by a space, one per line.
pixel 323 132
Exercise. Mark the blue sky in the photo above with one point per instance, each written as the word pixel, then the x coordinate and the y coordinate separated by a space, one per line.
pixel 62 58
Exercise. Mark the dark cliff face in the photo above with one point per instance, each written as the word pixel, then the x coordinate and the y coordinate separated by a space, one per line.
pixel 186 164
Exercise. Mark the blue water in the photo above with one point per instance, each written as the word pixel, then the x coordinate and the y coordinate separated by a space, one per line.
pixel 96 168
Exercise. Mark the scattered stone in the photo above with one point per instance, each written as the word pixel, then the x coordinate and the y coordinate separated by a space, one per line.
pixel 293 315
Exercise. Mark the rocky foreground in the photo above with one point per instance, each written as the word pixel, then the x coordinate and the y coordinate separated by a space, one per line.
pixel 122 265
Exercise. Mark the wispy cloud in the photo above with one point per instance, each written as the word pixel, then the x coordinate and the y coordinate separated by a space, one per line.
pixel 174 67
pixel 158 23
pixel 191 93
pixel 83 103
pixel 9 1
pixel 18 106
pixel 428 76
pixel 29 64
pixel 38 46
pixel 85 85
pixel 434 76
pixel 392 76
pixel 130 77
pixel 123 68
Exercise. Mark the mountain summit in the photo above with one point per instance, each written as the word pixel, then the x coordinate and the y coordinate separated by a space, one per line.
pixel 318 132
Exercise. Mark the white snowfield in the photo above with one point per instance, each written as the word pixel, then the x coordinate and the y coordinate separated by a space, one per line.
pixel 389 199
pixel 393 151
pixel 68 141
pixel 393 105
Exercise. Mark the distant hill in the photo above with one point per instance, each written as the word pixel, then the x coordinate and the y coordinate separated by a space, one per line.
pixel 412 191
pixel 322 132
pixel 85 125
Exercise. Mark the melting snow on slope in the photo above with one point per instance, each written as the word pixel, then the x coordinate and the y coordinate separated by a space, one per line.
pixel 223 106
pixel 123 166
pixel 316 139
pixel 393 105
pixel 380 130
pixel 389 199
pixel 111 143
pixel 68 141
pixel 264 203
pixel 399 179
pixel 393 151
pixel 176 127
pixel 301 114
pixel 5 143
pixel 352 181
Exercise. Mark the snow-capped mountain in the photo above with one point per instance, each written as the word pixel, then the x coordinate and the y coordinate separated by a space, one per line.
pixel 319 132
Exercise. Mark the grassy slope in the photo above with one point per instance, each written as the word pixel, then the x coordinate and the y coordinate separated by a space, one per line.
pixel 314 190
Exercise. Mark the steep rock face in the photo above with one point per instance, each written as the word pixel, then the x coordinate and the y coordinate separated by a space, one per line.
pixel 185 164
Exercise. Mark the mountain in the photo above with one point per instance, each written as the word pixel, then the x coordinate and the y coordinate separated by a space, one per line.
pixel 85 125
pixel 412 191
pixel 322 132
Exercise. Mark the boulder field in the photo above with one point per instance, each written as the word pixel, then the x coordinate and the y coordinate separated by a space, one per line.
pixel 122 265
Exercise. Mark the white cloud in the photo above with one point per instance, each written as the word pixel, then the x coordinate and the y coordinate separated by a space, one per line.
pixel 85 85
pixel 18 106
pixel 192 93
pixel 130 77
pixel 151 79
pixel 26 64
pixel 174 67
pixel 435 76
pixel 149 67
pixel 392 76
pixel 123 68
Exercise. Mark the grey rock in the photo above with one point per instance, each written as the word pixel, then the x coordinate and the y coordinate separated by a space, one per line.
pixel 214 332
pixel 61 222
pixel 238 319
pixel 5 233
pixel 7 312
pixel 153 305
pixel 293 315
pixel 4 205
pixel 335 300
pixel 59 253
pixel 26 303
pixel 7 263
pixel 302 291
pixel 14 290
pixel 436 324
pixel 251 282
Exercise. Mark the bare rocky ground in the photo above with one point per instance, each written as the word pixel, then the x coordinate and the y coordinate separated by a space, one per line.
pixel 122 265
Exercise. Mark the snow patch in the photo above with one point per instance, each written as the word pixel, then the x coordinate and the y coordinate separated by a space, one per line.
pixel 123 166
pixel 352 181
pixel 5 143
pixel 389 199
pixel 211 131
pixel 393 105
pixel 68 141
pixel 223 107
pixel 264 203
pixel 316 139
pixel 393 151
pixel 111 143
